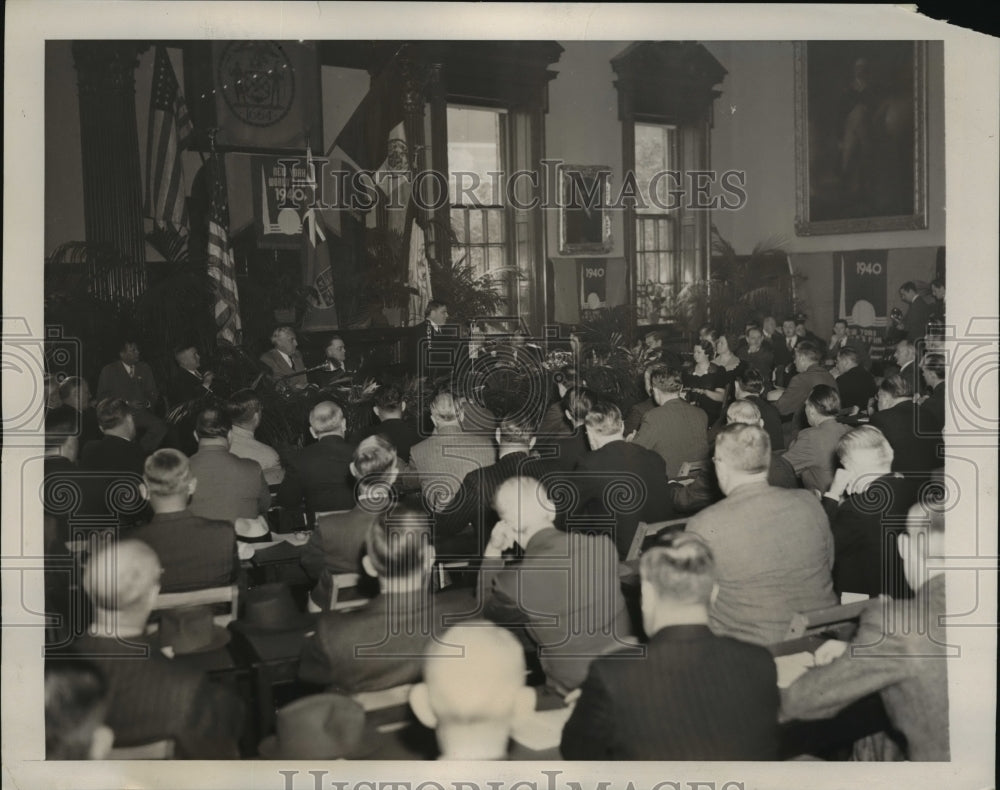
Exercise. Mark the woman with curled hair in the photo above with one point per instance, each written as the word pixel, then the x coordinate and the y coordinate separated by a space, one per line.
pixel 705 383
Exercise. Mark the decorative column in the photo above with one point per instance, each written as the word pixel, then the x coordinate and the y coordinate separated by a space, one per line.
pixel 112 183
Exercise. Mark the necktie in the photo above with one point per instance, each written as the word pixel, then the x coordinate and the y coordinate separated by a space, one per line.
pixel 131 372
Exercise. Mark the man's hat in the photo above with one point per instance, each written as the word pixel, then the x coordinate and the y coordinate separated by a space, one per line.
pixel 272 623
pixel 320 727
pixel 191 629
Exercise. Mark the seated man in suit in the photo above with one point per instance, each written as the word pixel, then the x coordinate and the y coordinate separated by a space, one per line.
pixel 619 472
pixel 245 411
pixel 444 458
pixel 463 528
pixel 855 385
pixel 907 667
pixel 773 548
pixel 783 346
pixel 76 704
pixel 130 379
pixel 194 552
pixel 553 421
pixel 905 355
pixel 813 453
pixel 840 340
pixel 318 477
pixel 865 503
pixel 231 487
pixel 758 355
pixel 390 406
pixel 117 450
pixel 721 694
pixel 284 359
pixel 563 595
pixel 562 453
pixel 382 644
pixel 935 405
pixel 750 387
pixel 337 543
pixel 915 442
pixel 790 402
pixel 151 697
pixel 75 393
pixel 334 367
pixel 190 383
pixel 635 414
pixel 472 700
pixel 675 430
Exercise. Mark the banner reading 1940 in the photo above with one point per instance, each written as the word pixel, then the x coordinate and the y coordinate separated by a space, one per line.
pixel 282 192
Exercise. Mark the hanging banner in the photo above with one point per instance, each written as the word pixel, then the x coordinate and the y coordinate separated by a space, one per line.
pixel 283 190
pixel 860 290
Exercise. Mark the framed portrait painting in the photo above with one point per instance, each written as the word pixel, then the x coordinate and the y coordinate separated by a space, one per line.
pixel 860 136
pixel 584 219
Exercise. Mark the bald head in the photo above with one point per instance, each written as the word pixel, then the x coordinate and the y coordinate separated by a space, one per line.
pixel 123 577
pixel 325 418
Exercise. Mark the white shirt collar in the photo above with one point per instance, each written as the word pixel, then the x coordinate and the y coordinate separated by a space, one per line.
pixel 285 357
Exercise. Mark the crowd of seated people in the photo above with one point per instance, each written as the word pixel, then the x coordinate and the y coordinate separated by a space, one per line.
pixel 635 575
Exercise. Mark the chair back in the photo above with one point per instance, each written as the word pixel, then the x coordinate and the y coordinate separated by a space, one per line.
pixel 654 528
pixel 227 595
pixel 839 620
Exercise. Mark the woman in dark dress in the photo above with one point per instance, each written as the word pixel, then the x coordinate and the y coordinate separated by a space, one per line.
pixel 705 384
pixel 731 365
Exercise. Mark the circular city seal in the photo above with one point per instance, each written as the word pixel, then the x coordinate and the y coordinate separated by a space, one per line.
pixel 257 81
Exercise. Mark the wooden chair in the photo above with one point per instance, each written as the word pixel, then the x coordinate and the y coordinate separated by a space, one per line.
pixel 158 750
pixel 387 709
pixel 341 583
pixel 840 621
pixel 644 530
pixel 211 595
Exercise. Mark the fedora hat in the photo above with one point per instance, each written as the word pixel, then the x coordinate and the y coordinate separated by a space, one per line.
pixel 319 727
pixel 272 623
pixel 191 629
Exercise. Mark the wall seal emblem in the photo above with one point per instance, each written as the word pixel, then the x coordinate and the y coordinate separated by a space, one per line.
pixel 257 81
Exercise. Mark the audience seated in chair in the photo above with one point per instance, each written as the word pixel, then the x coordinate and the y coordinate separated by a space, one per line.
pixel 117 450
pixel 471 699
pixel 337 543
pixel 907 666
pixel 633 419
pixel 75 393
pixel 318 477
pixel 773 548
pixel 855 384
pixel 189 382
pixel 285 360
pixel 444 458
pixel 381 644
pixel 131 380
pixel 151 697
pixel 915 442
pixel 721 693
pixel 750 386
pixel 553 422
pixel 76 704
pixel 194 552
pixel 563 595
pixel 813 453
pixel 231 487
pixel 933 407
pixel 636 475
pixel 390 408
pixel 245 411
pixel 809 372
pixel 562 453
pixel 758 355
pixel 675 430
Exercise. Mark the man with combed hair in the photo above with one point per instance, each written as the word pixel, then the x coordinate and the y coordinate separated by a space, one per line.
pixel 195 552
pixel 813 453
pixel 245 411
pixel 117 450
pixel 866 503
pixel 151 697
pixel 444 458
pixel 721 693
pixel 472 700
pixel 915 443
pixel 564 592
pixel 189 383
pixel 382 644
pixel 750 386
pixel 76 704
pixel 675 430
pixel 285 359
pixel 914 323
pixel 810 372
pixel 758 355
pixel 464 526
pixel 318 477
pixel 337 543
pixel 855 384
pixel 131 380
pixel 231 487
pixel 390 408
pixel 905 355
pixel 562 453
pixel 628 474
pixel 907 666
pixel 773 548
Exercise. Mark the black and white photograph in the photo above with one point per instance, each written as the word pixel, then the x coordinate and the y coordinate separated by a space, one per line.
pixel 571 395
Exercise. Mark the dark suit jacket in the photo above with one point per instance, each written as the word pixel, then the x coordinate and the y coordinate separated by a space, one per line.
pixel 229 487
pixel 772 421
pixel 704 490
pixel 115 382
pixel 400 432
pixel 185 386
pixel 327 376
pixel 432 352
pixel 381 644
pixel 677 432
pixel 856 387
pixel 633 478
pixel 906 666
pixel 865 559
pixel 911 372
pixel 195 553
pixel 569 622
pixel 694 696
pixel 783 357
pixel 113 454
pixel 916 318
pixel 912 451
pixel 934 407
pixel 473 503
pixel 336 545
pixel 762 360
pixel 636 413
pixel 152 698
pixel 562 453
pixel 320 476
pixel 554 422
pixel 278 367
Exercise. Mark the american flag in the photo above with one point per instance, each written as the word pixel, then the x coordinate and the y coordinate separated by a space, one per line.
pixel 169 131
pixel 221 264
